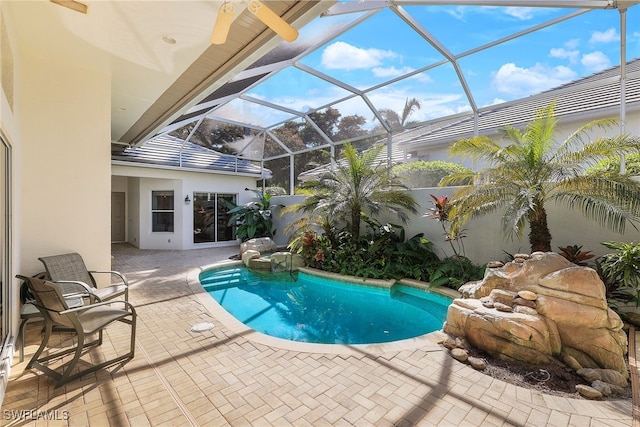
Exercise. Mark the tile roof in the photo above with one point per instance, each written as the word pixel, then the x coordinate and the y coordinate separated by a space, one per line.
pixel 590 97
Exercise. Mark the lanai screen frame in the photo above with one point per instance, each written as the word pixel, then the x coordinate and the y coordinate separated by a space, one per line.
pixel 238 89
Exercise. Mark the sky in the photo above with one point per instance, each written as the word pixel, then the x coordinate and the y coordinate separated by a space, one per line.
pixel 382 48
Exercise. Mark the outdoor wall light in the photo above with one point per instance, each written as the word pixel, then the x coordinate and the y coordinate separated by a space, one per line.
pixel 187 200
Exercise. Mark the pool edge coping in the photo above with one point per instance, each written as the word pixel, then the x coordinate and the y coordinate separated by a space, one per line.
pixel 426 342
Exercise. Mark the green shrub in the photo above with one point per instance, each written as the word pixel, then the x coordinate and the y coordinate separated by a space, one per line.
pixel 252 219
pixel 421 174
pixel 383 253
pixel 454 272
pixel 612 164
pixel 620 272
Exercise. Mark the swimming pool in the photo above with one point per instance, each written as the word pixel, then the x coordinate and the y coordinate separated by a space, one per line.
pixel 307 308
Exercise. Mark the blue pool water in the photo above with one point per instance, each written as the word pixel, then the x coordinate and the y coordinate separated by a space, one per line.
pixel 306 308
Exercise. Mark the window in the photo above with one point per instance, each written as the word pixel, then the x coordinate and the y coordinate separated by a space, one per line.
pixel 162 210
pixel 210 217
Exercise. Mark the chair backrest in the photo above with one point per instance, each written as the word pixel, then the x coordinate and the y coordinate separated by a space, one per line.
pixel 67 267
pixel 49 300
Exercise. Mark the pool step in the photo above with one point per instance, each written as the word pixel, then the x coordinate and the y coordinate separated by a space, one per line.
pixel 222 279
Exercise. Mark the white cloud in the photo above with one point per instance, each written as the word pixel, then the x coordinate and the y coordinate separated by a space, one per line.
pixel 562 53
pixel 422 78
pixel 572 44
pixel 457 12
pixel 518 82
pixel 390 72
pixel 343 56
pixel 522 13
pixel 595 61
pixel 607 36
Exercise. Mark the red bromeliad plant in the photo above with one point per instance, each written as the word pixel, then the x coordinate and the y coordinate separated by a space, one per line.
pixel 440 212
pixel 576 255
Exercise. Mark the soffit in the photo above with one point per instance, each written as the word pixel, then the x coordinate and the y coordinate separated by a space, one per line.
pixel 249 40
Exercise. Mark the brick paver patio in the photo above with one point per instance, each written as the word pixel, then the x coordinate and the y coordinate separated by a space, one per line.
pixel 229 376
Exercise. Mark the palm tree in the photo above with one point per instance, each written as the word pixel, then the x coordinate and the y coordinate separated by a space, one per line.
pixel 397 121
pixel 357 185
pixel 532 169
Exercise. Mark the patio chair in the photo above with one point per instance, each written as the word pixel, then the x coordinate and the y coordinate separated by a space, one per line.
pixel 70 269
pixel 29 311
pixel 85 321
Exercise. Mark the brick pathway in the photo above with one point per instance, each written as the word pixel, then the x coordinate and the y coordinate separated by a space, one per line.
pixel 229 376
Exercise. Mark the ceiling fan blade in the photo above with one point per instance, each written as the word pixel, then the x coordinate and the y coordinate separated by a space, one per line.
pixel 72 4
pixel 276 23
pixel 223 23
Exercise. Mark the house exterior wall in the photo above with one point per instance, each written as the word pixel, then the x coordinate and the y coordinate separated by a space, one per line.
pixel 56 117
pixel 142 181
pixel 64 174
pixel 564 130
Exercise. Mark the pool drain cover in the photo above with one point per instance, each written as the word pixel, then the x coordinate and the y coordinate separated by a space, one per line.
pixel 201 327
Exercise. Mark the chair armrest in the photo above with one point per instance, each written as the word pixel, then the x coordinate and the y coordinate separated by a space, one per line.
pixel 116 273
pixel 73 286
pixel 128 306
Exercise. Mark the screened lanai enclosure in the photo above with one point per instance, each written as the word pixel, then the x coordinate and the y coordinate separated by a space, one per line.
pixel 372 72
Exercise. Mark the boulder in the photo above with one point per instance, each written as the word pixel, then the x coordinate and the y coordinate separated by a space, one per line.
pixel 459 354
pixel 560 313
pixel 588 392
pixel 477 363
pixel 260 244
pixel 249 255
pixel 262 264
pixel 286 261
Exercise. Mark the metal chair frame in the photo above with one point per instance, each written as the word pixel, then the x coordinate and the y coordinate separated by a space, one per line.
pixel 85 321
pixel 70 269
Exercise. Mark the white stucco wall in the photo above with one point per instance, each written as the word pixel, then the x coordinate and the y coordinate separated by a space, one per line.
pixel 64 177
pixel 143 180
pixel 485 239
pixel 563 131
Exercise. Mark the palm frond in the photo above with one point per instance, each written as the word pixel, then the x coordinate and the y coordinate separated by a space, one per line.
pixel 579 138
pixel 611 201
pixel 477 148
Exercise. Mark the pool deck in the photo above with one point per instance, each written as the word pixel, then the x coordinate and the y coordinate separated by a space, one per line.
pixel 231 376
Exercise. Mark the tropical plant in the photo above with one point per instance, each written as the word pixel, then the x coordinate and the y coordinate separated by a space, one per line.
pixel 382 254
pixel 454 272
pixel 253 219
pixel 421 174
pixel 440 212
pixel 397 121
pixel 575 254
pixel 358 184
pixel 532 169
pixel 612 164
pixel 620 271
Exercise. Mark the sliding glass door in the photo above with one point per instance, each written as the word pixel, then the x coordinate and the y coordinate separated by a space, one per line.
pixel 5 261
pixel 211 217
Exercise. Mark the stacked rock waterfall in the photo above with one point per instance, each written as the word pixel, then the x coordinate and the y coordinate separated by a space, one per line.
pixel 541 309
